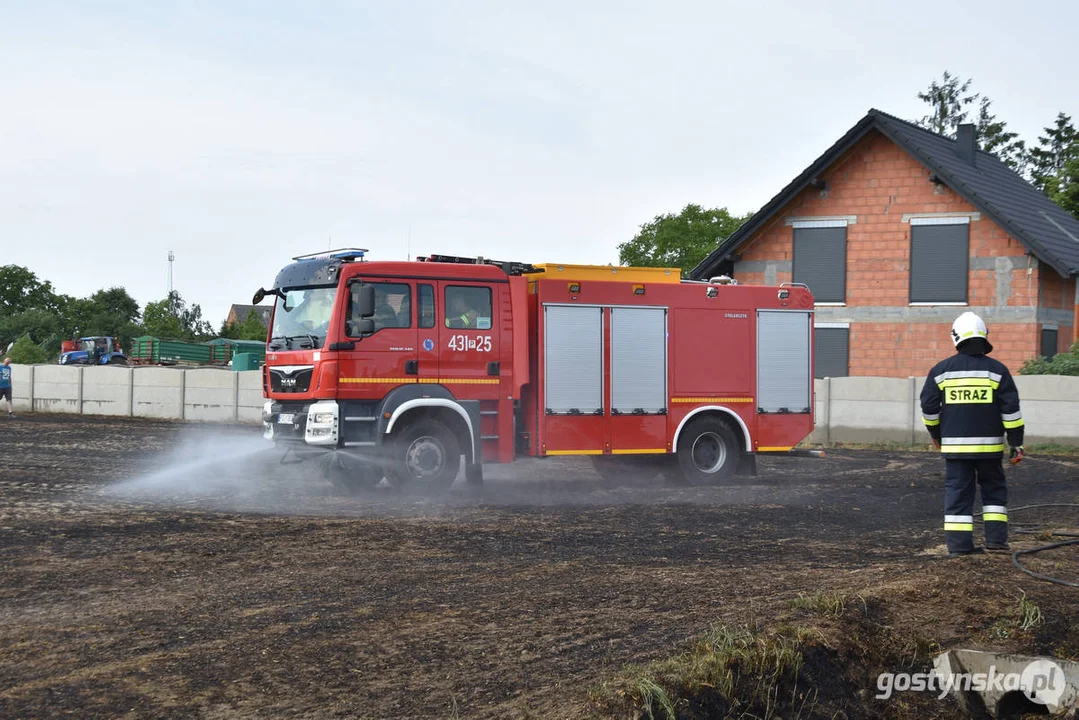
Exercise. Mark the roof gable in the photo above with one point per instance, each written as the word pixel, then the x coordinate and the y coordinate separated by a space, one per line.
pixel 1023 211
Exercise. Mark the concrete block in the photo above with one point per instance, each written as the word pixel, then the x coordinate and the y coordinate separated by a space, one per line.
pixel 1047 387
pixel 210 394
pixel 57 389
pixel 249 398
pixel 158 392
pixel 870 389
pixel 106 391
pixel 1048 421
pixel 22 387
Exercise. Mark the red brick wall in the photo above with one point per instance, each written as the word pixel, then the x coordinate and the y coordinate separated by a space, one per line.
pixel 878 182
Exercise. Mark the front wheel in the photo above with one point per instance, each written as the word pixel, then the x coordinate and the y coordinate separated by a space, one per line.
pixel 708 451
pixel 425 457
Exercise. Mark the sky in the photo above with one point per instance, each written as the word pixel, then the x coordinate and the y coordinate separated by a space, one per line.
pixel 240 134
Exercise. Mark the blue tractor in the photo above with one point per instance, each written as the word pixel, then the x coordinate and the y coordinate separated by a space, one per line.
pixel 94 351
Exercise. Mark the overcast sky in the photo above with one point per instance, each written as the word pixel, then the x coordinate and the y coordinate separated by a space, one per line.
pixel 240 134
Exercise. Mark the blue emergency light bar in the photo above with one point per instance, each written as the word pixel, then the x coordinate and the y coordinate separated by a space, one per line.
pixel 344 254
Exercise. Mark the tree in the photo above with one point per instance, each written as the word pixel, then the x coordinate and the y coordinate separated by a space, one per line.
pixel 39 326
pixel 952 102
pixel 949 99
pixel 1059 145
pixel 681 240
pixel 1067 196
pixel 21 290
pixel 171 318
pixel 252 327
pixel 111 312
pixel 25 352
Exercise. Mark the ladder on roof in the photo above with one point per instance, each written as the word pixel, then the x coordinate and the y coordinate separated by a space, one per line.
pixel 508 267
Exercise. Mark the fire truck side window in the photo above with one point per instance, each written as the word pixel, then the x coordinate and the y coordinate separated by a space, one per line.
pixel 393 308
pixel 427 306
pixel 468 308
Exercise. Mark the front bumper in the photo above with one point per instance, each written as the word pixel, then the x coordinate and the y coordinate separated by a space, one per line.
pixel 314 424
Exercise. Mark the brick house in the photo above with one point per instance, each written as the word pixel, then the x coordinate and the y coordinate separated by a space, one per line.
pixel 897 230
pixel 238 313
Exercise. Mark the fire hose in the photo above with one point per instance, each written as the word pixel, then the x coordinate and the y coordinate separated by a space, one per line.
pixel 1041 548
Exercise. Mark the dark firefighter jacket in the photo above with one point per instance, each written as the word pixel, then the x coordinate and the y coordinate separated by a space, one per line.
pixel 969 404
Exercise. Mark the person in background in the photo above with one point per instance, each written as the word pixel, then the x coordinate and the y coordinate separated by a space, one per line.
pixel 5 386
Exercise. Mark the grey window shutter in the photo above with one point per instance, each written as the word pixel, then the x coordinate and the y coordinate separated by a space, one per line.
pixel 939 263
pixel 820 261
pixel 831 350
pixel 1049 342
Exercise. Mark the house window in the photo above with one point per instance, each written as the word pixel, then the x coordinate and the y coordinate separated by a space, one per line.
pixel 1049 340
pixel 831 350
pixel 939 259
pixel 820 259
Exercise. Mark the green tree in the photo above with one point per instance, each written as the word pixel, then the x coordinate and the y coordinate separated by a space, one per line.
pixel 252 327
pixel 26 352
pixel 171 318
pixel 681 240
pixel 20 289
pixel 952 102
pixel 1053 169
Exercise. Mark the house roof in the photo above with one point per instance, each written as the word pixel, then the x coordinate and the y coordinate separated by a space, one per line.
pixel 1024 212
pixel 240 312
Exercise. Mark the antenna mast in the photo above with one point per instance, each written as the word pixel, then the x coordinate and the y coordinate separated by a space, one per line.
pixel 171 258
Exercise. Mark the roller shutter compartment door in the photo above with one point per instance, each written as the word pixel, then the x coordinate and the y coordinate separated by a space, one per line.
pixel 573 359
pixel 638 360
pixel 784 384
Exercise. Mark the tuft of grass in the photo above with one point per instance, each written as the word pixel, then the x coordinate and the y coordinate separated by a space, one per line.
pixel 829 604
pixel 749 672
pixel 1030 615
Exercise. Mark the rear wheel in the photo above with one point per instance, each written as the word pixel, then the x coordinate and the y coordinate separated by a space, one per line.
pixel 708 451
pixel 425 457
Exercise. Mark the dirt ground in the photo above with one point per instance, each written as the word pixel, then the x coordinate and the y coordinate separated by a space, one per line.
pixel 155 569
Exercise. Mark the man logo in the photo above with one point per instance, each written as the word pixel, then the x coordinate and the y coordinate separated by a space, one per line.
pixel 288 382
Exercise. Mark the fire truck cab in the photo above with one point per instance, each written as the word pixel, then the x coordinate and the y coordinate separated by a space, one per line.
pixel 404 369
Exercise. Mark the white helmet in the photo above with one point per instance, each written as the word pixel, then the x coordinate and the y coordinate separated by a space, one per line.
pixel 967 326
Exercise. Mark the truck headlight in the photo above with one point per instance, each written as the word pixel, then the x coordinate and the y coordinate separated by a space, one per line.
pixel 322 423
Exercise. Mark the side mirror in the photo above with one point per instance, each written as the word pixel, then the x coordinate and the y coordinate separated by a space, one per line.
pixel 361 328
pixel 365 301
pixel 259 295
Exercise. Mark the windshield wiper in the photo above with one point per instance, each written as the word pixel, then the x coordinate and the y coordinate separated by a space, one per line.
pixel 286 340
pixel 309 338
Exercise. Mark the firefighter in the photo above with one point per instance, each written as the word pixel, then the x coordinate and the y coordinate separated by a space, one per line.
pixel 969 404
pixel 461 314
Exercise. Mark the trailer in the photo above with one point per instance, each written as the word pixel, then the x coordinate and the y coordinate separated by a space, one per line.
pixel 411 368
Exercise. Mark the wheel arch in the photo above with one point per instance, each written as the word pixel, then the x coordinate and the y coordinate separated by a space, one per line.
pixel 717 410
pixel 450 412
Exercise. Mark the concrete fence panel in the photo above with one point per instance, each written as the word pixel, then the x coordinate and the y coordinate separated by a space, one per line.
pixel 1050 406
pixel 210 394
pixel 57 389
pixel 249 400
pixel 158 392
pixel 106 391
pixel 22 387
pixel 848 409
pixel 869 409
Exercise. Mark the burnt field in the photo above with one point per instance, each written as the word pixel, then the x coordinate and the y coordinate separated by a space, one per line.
pixel 165 570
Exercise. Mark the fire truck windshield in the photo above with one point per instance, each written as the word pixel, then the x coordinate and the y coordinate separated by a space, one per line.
pixel 301 318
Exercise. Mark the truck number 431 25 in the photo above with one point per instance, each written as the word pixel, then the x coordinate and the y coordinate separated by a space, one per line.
pixel 464 343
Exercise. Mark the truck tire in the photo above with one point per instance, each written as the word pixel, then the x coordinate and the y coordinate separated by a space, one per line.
pixel 425 457
pixel 708 451
pixel 351 476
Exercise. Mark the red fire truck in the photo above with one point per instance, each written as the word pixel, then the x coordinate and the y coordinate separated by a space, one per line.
pixel 404 368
